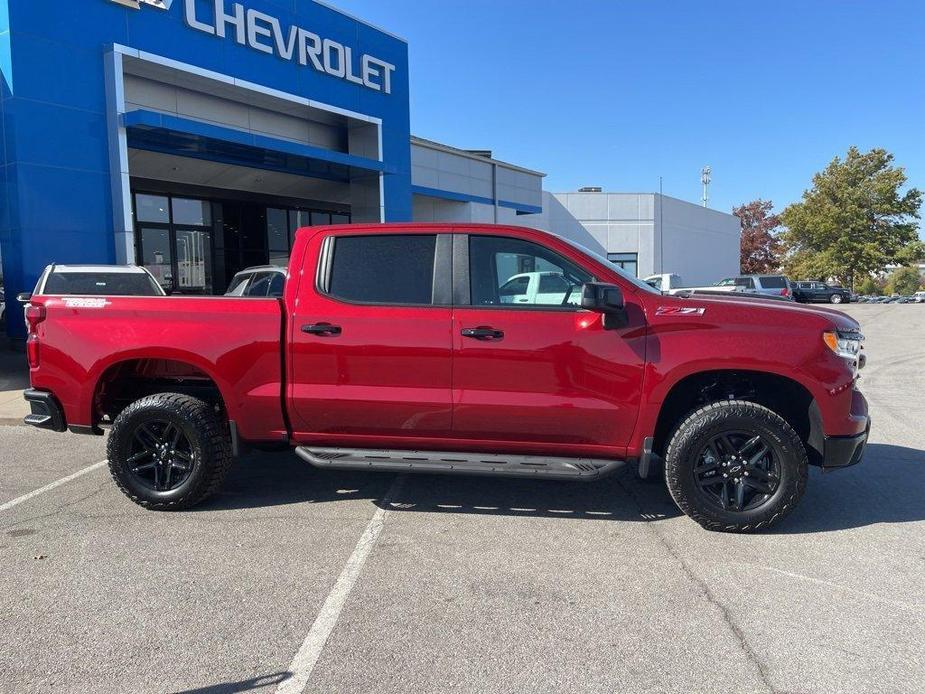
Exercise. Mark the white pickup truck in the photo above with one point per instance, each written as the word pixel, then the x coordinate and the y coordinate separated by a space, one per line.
pixel 540 287
pixel 670 283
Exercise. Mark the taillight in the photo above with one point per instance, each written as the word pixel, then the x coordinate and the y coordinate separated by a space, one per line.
pixel 785 292
pixel 32 350
pixel 35 314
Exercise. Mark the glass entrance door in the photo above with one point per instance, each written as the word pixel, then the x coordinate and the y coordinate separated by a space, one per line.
pixel 194 261
pixel 175 241
pixel 155 252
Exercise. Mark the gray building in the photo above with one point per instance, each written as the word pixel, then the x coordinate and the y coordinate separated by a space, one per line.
pixel 647 233
pixel 459 185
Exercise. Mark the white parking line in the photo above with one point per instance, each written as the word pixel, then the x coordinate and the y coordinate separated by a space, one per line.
pixel 49 487
pixel 304 661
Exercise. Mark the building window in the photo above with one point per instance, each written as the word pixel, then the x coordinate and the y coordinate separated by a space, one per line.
pixel 152 208
pixel 197 245
pixel 278 236
pixel 628 262
pixel 191 212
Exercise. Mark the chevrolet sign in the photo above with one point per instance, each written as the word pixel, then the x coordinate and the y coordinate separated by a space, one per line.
pixel 267 34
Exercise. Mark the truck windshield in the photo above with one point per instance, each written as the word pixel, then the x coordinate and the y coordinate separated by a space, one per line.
pixel 101 284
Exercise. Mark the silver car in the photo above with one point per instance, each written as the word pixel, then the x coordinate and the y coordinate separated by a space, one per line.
pixel 769 285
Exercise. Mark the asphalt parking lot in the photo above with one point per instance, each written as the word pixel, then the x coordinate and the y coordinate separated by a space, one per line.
pixel 469 584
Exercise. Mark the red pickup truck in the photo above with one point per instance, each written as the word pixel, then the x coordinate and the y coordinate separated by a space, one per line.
pixel 423 348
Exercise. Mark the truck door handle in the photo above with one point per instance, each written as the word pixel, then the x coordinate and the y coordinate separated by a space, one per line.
pixel 483 333
pixel 321 329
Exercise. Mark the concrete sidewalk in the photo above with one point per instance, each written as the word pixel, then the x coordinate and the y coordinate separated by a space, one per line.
pixel 14 378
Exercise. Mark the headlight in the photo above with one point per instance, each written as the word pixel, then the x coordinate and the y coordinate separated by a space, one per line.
pixel 844 343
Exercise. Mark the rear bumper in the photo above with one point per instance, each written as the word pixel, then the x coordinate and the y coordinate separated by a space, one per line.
pixel 844 451
pixel 46 410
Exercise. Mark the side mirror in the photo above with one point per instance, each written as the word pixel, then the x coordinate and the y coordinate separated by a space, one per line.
pixel 606 299
pixel 24 297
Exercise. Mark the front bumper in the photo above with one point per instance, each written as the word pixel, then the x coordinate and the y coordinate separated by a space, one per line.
pixel 844 451
pixel 46 410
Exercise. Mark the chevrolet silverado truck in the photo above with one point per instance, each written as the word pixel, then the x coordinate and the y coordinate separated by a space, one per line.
pixel 394 348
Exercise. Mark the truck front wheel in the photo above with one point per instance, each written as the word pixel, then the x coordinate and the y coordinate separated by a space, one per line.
pixel 168 451
pixel 735 466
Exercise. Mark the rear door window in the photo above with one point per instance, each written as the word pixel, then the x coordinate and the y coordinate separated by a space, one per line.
pixel 383 269
pixel 260 284
pixel 774 282
pixel 746 282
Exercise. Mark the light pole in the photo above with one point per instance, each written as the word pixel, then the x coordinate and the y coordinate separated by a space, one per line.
pixel 705 179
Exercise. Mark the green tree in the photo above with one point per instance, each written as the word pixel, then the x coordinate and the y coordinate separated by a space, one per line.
pixel 854 220
pixel 904 280
pixel 867 287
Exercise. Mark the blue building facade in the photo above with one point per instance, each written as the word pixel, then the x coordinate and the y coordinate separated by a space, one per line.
pixel 192 136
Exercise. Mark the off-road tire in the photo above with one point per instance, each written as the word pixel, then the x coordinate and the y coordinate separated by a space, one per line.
pixel 207 437
pixel 698 427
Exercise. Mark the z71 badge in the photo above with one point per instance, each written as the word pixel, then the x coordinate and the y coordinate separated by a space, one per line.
pixel 679 311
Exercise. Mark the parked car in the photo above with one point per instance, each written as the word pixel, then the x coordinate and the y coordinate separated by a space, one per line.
pixel 670 283
pixel 768 285
pixel 544 288
pixel 260 280
pixel 395 350
pixel 94 280
pixel 664 282
pixel 819 292
pixel 919 297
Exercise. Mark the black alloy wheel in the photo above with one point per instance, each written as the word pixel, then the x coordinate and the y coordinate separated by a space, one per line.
pixel 737 471
pixel 161 456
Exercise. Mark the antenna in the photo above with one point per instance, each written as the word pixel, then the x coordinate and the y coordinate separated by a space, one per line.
pixel 705 173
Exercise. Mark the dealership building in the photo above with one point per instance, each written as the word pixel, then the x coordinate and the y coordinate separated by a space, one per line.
pixel 195 136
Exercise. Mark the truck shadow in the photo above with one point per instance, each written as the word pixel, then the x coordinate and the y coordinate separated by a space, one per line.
pixel 267 480
pixel 887 487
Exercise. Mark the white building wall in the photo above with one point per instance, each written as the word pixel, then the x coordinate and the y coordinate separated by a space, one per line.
pixel 667 234
pixel 620 222
pixel 701 245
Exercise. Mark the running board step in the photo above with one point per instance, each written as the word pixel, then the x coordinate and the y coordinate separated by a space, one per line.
pixel 444 462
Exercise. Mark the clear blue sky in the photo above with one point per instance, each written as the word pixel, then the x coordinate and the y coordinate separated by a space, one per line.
pixel 618 92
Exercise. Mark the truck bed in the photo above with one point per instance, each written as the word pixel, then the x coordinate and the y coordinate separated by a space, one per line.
pixel 236 342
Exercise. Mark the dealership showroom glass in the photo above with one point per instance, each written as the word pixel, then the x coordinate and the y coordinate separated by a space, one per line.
pixel 195 136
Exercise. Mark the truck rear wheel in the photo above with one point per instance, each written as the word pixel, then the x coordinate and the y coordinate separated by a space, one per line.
pixel 168 451
pixel 735 466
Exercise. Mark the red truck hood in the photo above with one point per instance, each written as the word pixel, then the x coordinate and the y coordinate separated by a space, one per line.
pixel 776 310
